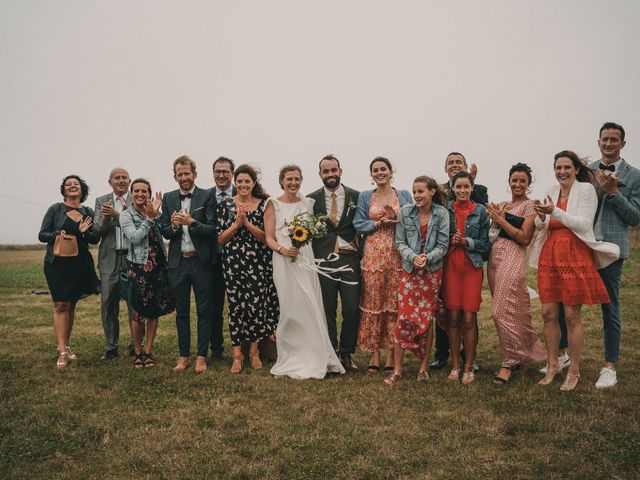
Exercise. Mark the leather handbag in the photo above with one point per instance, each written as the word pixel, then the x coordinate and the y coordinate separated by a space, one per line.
pixel 65 245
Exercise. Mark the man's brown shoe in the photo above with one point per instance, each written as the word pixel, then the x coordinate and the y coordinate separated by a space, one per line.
pixel 201 364
pixel 348 364
pixel 182 365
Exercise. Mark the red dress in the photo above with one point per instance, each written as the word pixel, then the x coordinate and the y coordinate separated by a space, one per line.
pixel 418 303
pixel 462 284
pixel 567 270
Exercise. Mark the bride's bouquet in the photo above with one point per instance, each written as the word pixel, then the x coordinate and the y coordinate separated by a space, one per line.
pixel 306 227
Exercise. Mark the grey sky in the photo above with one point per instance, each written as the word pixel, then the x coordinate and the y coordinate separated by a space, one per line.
pixel 89 85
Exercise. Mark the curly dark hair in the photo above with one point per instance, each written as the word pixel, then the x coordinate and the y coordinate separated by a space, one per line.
pixel 521 167
pixel 257 190
pixel 84 188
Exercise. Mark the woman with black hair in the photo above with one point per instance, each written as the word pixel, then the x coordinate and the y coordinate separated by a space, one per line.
pixel 248 271
pixel 70 273
pixel 512 228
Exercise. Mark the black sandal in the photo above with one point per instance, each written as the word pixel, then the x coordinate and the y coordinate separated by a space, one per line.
pixel 503 381
pixel 138 360
pixel 389 369
pixel 149 361
pixel 373 368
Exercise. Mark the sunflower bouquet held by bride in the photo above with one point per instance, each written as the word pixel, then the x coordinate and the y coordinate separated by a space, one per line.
pixel 304 228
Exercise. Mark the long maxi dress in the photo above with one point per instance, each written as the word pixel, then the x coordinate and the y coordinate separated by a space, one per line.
pixel 302 337
pixel 511 308
pixel 381 268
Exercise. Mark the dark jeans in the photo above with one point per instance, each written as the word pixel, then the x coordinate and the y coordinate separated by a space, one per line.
pixel 350 300
pixel 217 336
pixel 611 319
pixel 191 273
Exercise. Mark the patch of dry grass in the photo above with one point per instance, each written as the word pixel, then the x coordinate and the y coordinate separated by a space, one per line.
pixel 106 420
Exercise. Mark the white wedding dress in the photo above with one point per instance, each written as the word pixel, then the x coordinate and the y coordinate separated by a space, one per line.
pixel 302 338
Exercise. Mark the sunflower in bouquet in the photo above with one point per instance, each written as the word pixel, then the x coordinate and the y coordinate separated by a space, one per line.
pixel 305 227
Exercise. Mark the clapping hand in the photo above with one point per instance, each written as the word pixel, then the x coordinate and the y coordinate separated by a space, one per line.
pixel 420 261
pixel 241 215
pixel 458 239
pixel 608 183
pixel 107 209
pixel 543 209
pixel 85 224
pixel 496 213
pixel 152 207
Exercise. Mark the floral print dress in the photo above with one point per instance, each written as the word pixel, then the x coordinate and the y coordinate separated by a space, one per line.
pixel 248 275
pixel 381 267
pixel 418 305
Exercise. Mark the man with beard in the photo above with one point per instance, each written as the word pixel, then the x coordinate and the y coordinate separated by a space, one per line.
pixel 339 203
pixel 187 221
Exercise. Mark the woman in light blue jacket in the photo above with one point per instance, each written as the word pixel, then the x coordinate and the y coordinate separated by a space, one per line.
pixel 376 217
pixel 422 238
pixel 149 293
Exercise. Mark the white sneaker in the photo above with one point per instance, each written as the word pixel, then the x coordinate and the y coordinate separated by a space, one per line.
pixel 563 360
pixel 607 379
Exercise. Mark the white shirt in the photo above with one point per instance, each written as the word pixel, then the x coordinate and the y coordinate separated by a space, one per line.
pixel 597 226
pixel 340 201
pixel 228 193
pixel 187 243
pixel 121 241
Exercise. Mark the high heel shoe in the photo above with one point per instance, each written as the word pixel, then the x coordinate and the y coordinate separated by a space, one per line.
pixel 550 375
pixel 254 360
pixel 72 356
pixel 238 363
pixel 570 382
pixel 63 360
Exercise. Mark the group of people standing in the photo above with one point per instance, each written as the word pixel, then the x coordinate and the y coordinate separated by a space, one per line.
pixel 402 264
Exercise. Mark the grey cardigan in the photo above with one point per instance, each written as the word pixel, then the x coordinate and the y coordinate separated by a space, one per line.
pixel 136 228
pixel 408 238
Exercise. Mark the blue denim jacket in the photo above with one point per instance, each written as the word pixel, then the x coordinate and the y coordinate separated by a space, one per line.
pixel 361 221
pixel 409 241
pixel 136 228
pixel 476 232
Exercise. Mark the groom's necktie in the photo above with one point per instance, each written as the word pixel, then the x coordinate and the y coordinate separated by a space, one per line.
pixel 333 216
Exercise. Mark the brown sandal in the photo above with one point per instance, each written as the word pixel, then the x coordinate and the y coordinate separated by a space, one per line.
pixel 238 363
pixel 254 360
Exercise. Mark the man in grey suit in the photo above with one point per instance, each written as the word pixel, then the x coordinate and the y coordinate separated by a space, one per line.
pixel 618 186
pixel 339 202
pixel 188 222
pixel 112 256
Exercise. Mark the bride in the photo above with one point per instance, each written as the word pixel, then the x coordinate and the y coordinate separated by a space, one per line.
pixel 302 339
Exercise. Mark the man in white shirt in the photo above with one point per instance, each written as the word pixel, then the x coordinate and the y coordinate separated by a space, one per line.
pixel 112 256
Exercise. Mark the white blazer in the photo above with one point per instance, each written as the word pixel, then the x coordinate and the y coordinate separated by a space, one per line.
pixel 582 206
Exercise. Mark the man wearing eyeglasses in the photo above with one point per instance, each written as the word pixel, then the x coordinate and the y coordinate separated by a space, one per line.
pixel 223 169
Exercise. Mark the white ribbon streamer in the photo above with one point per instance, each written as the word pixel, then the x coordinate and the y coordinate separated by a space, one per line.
pixel 325 271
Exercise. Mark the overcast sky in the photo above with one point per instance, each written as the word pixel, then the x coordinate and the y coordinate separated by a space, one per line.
pixel 89 85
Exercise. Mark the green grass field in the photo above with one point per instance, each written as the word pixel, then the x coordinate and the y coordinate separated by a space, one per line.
pixel 106 420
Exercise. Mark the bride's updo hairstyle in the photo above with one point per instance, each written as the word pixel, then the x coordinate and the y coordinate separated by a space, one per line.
pixel 285 169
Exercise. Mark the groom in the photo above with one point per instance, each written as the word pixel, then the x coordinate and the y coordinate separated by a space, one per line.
pixel 339 203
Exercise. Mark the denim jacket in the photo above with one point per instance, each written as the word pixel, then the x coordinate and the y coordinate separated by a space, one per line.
pixel 361 221
pixel 409 241
pixel 136 227
pixel 476 232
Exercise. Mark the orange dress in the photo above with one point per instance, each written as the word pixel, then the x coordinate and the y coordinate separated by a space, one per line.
pixel 462 282
pixel 567 269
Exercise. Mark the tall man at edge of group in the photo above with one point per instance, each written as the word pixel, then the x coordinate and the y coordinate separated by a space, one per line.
pixel 188 222
pixel 223 169
pixel 618 187
pixel 339 202
pixel 112 255
pixel 456 162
